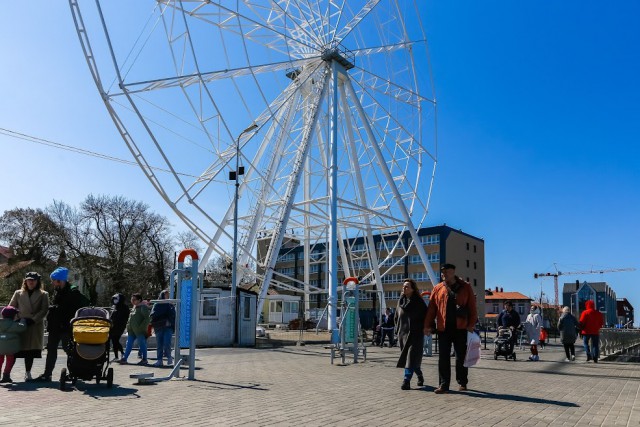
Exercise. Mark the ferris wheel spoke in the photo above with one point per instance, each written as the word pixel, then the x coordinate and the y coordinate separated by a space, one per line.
pixel 355 20
pixel 269 31
pixel 406 142
pixel 300 13
pixel 212 76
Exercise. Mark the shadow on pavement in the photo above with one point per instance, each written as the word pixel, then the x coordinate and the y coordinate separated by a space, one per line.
pixel 516 398
pixel 97 391
pixel 225 386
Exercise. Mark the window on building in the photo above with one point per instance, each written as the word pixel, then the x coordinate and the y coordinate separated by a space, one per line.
pixel 289 271
pixel 474 248
pixel 475 265
pixel 392 278
pixel 475 282
pixel 420 276
pixel 433 239
pixel 496 308
pixel 287 257
pixel 291 307
pixel 209 306
pixel 246 315
pixel 467 245
pixel 520 308
pixel 392 295
pixel 467 263
pixel 432 257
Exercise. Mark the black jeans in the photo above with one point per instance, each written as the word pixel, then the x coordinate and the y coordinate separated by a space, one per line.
pixel 569 350
pixel 458 339
pixel 52 349
pixel 386 333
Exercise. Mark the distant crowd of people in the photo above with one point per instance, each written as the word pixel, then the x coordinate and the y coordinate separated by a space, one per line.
pixel 22 325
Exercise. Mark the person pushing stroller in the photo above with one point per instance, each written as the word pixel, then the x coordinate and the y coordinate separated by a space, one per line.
pixel 509 319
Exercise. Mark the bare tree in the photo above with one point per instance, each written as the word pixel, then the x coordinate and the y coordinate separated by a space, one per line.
pixel 117 242
pixel 30 234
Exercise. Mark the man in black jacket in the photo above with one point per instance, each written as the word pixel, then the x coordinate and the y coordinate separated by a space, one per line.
pixel 386 327
pixel 66 301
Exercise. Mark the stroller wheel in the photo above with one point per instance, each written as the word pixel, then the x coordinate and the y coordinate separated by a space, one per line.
pixel 63 378
pixel 495 356
pixel 109 377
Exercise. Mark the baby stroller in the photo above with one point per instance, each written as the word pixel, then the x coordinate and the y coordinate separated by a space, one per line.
pixel 503 345
pixel 377 334
pixel 89 355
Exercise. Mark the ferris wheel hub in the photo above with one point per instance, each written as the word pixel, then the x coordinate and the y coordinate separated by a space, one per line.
pixel 341 55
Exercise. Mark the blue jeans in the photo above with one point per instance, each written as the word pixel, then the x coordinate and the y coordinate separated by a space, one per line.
pixel 594 353
pixel 408 373
pixel 142 343
pixel 163 341
pixel 427 346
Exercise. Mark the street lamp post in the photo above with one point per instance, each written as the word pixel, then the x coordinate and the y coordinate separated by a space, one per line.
pixel 234 175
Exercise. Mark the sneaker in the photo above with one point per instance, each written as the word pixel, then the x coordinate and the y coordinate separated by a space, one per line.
pixel 43 378
pixel 405 385
pixel 573 357
pixel 170 361
pixel 158 364
pixel 420 381
pixel 462 388
pixel 567 360
pixel 27 376
pixel 123 361
pixel 6 379
pixel 143 362
pixel 441 390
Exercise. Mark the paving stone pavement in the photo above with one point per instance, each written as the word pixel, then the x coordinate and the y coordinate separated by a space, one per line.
pixel 290 386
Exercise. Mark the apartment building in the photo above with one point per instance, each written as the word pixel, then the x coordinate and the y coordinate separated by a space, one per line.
pixel 442 244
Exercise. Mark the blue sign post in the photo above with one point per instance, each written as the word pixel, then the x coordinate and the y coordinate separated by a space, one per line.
pixel 185 313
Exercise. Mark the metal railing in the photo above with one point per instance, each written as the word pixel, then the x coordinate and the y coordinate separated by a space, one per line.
pixel 620 342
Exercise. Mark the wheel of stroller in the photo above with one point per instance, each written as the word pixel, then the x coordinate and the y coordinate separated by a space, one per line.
pixel 495 356
pixel 63 378
pixel 109 377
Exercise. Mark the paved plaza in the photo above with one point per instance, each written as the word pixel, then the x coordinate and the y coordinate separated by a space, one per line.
pixel 298 386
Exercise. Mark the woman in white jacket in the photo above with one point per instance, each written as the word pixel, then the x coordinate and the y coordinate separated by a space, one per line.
pixel 532 327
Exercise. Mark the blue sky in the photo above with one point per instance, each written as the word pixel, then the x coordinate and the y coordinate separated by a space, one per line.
pixel 539 131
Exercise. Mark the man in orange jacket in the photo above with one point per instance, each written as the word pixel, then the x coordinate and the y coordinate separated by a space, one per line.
pixel 591 320
pixel 452 310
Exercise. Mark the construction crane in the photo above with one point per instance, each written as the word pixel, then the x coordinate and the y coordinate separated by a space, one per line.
pixel 574 273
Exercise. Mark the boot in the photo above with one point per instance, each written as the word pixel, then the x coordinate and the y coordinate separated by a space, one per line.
pixel 6 378
pixel 406 385
pixel 420 380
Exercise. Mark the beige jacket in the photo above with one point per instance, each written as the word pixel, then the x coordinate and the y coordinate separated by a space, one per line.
pixel 32 307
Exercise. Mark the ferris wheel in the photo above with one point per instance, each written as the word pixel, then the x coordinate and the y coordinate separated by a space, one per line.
pixel 327 107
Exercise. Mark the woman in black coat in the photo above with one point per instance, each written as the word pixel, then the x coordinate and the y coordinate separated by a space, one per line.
pixel 410 316
pixel 119 317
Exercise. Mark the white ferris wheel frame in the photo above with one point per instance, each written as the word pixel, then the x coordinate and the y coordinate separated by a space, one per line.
pixel 321 79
